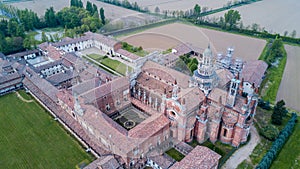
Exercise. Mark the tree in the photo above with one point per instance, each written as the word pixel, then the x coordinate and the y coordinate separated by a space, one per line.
pixel 231 18
pixel 285 33
pixel 270 132
pixel 56 37
pixel 135 6
pixel 293 34
pixel 102 16
pixel 255 27
pixel 89 7
pixel 157 10
pixel 197 10
pixel 44 37
pixel 50 17
pixel 28 43
pixel 278 113
pixel 95 9
pixel 12 27
pixel 222 22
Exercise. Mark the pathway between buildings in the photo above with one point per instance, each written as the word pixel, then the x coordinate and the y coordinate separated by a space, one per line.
pixel 244 152
pixel 24 100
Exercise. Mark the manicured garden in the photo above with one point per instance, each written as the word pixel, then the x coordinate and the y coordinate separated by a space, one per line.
pixel 31 138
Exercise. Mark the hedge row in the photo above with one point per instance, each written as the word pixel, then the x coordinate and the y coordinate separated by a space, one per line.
pixel 277 145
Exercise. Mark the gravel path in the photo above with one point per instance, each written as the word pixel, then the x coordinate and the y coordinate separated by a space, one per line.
pixel 243 153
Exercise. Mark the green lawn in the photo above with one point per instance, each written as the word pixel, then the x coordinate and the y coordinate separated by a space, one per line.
pixel 113 64
pixel 289 156
pixel 273 76
pixel 30 138
pixel 96 56
pixel 245 165
pixel 176 155
pixel 25 95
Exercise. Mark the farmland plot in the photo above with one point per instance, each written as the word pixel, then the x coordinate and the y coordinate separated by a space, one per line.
pixel 289 86
pixel 246 48
pixel 276 16
pixel 174 5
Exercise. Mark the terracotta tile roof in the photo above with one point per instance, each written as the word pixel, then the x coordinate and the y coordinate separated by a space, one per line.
pixel 48 65
pixel 72 58
pixel 149 126
pixel 104 162
pixel 68 40
pixel 155 85
pixel 182 49
pixel 216 93
pixel 42 84
pixel 171 57
pixel 109 41
pixel 163 161
pixel 67 97
pixel 199 158
pixel 167 73
pixel 193 97
pixel 105 89
pixel 127 54
pixel 253 71
pixel 43 46
pixel 54 53
pixel 58 78
pixel 20 54
pixel 224 76
pixel 9 83
pixel 86 86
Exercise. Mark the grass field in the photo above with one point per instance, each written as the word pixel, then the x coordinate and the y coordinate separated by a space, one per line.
pixel 273 80
pixel 289 156
pixel 30 138
pixel 113 64
pixel 176 155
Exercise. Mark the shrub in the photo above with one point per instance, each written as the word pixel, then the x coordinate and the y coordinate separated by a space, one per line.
pixel 270 132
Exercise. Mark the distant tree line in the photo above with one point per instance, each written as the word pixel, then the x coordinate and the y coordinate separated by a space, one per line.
pixel 126 4
pixel 277 145
pixel 75 19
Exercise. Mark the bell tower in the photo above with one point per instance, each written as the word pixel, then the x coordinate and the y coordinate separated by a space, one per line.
pixel 234 85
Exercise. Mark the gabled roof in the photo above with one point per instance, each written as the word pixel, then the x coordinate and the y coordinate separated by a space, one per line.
pixel 199 158
pixel 254 71
pixel 167 74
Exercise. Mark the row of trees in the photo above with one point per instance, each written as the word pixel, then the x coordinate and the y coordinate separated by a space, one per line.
pixel 126 4
pixel 277 145
pixel 75 19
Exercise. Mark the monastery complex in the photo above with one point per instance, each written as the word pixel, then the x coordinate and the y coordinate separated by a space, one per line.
pixel 130 121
